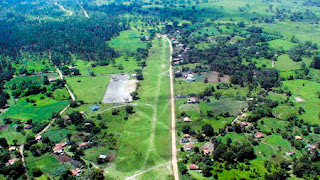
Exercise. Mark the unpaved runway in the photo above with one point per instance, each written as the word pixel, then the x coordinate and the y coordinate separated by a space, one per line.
pixel 173 120
pixel 119 89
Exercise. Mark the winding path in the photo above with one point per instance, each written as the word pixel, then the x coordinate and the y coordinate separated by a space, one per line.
pixel 63 9
pixel 69 91
pixel 173 120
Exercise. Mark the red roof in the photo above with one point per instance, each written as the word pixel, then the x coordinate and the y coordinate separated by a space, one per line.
pixel 259 135
pixel 83 144
pixel 59 146
pixel 66 117
pixel 75 171
pixel 12 161
pixel 189 146
pixel 193 167
pixel 193 99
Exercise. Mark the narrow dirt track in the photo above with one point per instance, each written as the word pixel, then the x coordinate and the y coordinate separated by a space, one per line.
pixel 69 91
pixel 173 120
pixel 63 9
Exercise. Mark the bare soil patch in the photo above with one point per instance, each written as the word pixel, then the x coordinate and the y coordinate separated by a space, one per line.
pixel 214 77
pixel 63 158
pixel 3 127
pixel 119 89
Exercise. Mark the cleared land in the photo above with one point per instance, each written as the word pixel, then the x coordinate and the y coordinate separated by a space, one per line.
pixel 87 88
pixel 128 41
pixel 119 89
pixel 146 138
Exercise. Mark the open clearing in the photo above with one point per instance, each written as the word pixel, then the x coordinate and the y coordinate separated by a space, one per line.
pixel 87 88
pixel 40 110
pixel 128 41
pixel 146 138
pixel 119 89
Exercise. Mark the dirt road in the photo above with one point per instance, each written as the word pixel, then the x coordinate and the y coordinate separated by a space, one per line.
pixel 173 120
pixel 69 91
pixel 63 9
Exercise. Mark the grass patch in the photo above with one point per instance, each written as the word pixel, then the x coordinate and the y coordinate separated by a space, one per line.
pixel 128 40
pixel 87 88
pixel 127 66
pixel 281 43
pixel 284 63
pixel 46 162
pixel 57 135
pixel 24 110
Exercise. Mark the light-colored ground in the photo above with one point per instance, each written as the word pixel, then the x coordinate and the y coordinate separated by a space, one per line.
pixel 298 99
pixel 119 89
pixel 63 9
pixel 173 120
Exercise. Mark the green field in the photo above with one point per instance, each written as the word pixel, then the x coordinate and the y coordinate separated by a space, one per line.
pixel 146 139
pixel 127 66
pixel 128 41
pixel 284 63
pixel 281 43
pixel 45 162
pixel 308 91
pixel 87 88
pixel 40 110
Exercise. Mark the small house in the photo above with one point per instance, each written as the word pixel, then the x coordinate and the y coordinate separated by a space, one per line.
pixel 289 153
pixel 243 123
pixel 188 147
pixel 72 67
pixel 176 59
pixel 134 75
pixel 298 137
pixel 66 117
pixel 94 108
pixel 58 148
pixel 180 96
pixel 81 112
pixel 28 126
pixel 193 167
pixel 185 140
pixel 207 151
pixel 38 137
pixel 187 136
pixel 83 144
pixel 102 156
pixel 173 39
pixel 76 171
pixel 52 79
pixel 12 161
pixel 187 119
pixel 176 63
pixel 192 100
pixel 259 135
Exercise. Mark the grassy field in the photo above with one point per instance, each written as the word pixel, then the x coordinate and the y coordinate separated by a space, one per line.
pixel 40 110
pixel 146 139
pixel 284 63
pixel 308 91
pixel 11 134
pixel 45 162
pixel 128 41
pixel 38 65
pixel 87 88
pixel 127 66
pixel 57 135
pixel 281 43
